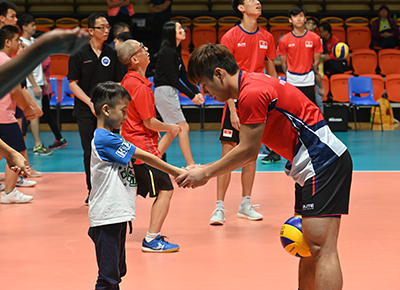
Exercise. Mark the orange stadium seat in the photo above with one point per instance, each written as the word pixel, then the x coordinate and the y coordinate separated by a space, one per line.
pixel 279 21
pixel 364 61
pixel 389 61
pixel 204 35
pixel 278 31
pixel 333 21
pixel 378 85
pixel 358 37
pixel 325 83
pixel 185 57
pixel 340 87
pixel 392 85
pixel 221 31
pixel 339 32
pixel 356 21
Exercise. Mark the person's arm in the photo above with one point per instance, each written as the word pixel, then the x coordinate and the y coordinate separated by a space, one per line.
pixel 159 8
pixel 158 126
pixel 26 103
pixel 283 64
pixel 56 41
pixel 156 162
pixel 318 79
pixel 15 160
pixel 122 3
pixel 233 114
pixel 80 94
pixel 36 89
pixel 247 150
pixel 198 98
pixel 270 68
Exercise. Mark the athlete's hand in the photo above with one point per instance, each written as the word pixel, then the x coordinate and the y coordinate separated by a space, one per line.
pixel 174 130
pixel 235 120
pixel 193 178
pixel 321 91
pixel 198 99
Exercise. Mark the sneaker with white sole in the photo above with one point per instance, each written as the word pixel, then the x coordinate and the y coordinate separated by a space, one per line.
pixel 247 212
pixel 41 150
pixel 218 216
pixel 22 182
pixel 15 197
pixel 159 245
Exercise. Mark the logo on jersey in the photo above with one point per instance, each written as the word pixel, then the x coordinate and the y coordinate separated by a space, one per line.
pixel 263 44
pixel 309 206
pixel 105 61
pixel 243 44
pixel 123 149
pixel 291 44
pixel 227 133
pixel 309 44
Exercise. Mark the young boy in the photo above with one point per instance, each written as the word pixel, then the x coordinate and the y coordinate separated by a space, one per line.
pixel 112 199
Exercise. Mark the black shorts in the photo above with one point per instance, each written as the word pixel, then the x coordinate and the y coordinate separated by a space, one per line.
pixel 328 192
pixel 309 92
pixel 151 180
pixel 12 136
pixel 228 133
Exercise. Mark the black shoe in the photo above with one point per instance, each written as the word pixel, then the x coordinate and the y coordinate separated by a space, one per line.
pixel 271 158
pixel 58 144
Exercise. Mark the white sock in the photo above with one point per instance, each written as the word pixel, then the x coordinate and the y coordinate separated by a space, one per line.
pixel 151 236
pixel 220 204
pixel 245 200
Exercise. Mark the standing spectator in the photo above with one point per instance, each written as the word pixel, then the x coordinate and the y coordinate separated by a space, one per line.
pixel 170 70
pixel 94 63
pixel 121 38
pixel 118 28
pixel 241 39
pixel 34 82
pixel 384 30
pixel 120 11
pixel 141 129
pixel 332 65
pixel 8 13
pixel 300 52
pixel 161 10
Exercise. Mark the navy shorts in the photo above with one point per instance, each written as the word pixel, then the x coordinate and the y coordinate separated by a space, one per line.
pixel 12 136
pixel 328 192
pixel 228 133
pixel 151 180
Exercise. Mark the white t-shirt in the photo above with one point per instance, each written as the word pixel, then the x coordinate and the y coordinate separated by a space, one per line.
pixel 113 196
pixel 38 71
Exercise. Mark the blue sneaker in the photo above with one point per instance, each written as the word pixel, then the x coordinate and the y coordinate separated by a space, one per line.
pixel 159 245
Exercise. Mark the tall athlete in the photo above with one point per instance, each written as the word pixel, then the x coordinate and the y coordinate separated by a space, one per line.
pixel 278 115
pixel 300 52
pixel 243 39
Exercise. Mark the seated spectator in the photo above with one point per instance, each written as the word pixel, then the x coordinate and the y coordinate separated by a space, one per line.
pixel 384 30
pixel 332 65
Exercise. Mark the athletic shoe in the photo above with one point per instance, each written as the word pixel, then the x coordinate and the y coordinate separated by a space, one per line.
pixel 218 216
pixel 15 197
pixel 58 144
pixel 271 158
pixel 87 201
pixel 159 245
pixel 22 182
pixel 41 150
pixel 2 186
pixel 247 212
pixel 34 174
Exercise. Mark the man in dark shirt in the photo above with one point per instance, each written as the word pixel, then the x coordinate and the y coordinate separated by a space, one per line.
pixel 94 63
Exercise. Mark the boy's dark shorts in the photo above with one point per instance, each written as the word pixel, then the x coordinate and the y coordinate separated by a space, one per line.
pixel 228 133
pixel 328 192
pixel 151 180
pixel 12 136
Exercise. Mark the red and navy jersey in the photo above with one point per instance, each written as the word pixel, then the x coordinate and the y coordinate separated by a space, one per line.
pixel 250 49
pixel 294 126
pixel 299 51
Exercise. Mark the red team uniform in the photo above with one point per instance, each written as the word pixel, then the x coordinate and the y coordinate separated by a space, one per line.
pixel 296 130
pixel 300 57
pixel 141 107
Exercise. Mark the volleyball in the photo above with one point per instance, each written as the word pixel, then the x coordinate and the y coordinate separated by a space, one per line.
pixel 340 50
pixel 292 238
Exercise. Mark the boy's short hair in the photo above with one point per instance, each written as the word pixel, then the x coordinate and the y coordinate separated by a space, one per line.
pixel 235 4
pixel 108 93
pixel 4 6
pixel 119 27
pixel 326 26
pixel 92 19
pixel 123 36
pixel 25 19
pixel 314 21
pixel 206 58
pixel 297 10
pixel 7 32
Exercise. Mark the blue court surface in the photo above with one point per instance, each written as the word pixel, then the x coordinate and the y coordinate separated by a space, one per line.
pixel 371 151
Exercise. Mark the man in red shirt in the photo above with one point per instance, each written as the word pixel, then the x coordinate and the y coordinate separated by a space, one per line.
pixel 300 52
pixel 278 115
pixel 332 65
pixel 242 39
pixel 141 129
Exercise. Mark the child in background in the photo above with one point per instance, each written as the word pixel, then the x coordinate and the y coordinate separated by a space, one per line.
pixel 112 200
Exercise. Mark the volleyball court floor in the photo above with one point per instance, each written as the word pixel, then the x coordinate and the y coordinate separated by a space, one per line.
pixel 44 244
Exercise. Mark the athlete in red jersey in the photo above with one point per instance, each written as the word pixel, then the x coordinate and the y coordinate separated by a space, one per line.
pixel 300 52
pixel 254 50
pixel 277 114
